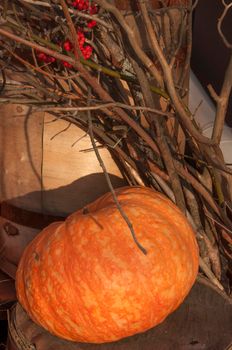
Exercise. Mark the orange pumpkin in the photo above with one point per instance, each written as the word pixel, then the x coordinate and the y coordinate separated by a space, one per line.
pixel 86 280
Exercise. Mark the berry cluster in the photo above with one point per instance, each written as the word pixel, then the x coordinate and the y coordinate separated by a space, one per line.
pixel 80 5
pixel 84 5
pixel 45 58
pixel 85 49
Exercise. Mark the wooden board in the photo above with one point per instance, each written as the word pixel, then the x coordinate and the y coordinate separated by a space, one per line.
pixel 21 156
pixel 72 175
pixel 44 168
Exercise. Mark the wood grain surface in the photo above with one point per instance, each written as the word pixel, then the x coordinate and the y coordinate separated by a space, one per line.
pixel 49 166
pixel 20 156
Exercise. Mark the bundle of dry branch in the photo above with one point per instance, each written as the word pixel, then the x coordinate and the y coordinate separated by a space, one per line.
pixel 120 73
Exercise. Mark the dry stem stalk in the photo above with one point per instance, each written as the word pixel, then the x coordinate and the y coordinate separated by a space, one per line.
pixel 227 7
pixel 77 51
pixel 167 72
pixel 212 250
pixel 93 82
pixel 120 209
pixel 222 103
pixel 133 41
pixel 161 141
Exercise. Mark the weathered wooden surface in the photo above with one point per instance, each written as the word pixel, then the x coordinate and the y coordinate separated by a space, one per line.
pixel 203 321
pixel 72 175
pixel 20 156
pixel 48 166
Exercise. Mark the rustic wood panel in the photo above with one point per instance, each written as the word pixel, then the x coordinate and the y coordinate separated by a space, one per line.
pixel 72 176
pixel 47 173
pixel 20 156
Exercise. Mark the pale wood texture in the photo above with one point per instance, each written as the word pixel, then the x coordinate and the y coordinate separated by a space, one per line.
pixel 20 156
pixel 47 167
pixel 70 166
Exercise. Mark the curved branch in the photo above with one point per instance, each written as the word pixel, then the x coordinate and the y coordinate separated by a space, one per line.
pixel 219 24
pixel 222 103
pixel 91 80
pixel 133 40
pixel 180 108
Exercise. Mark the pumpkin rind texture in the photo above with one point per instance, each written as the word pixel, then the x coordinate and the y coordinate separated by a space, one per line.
pixel 86 280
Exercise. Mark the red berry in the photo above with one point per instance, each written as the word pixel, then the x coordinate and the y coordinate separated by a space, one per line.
pixel 86 5
pixel 66 64
pixel 45 58
pixel 80 5
pixel 93 9
pixel 50 59
pixel 91 24
pixel 81 38
pixel 87 51
pixel 67 45
pixel 42 56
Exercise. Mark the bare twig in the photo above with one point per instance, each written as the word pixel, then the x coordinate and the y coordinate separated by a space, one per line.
pixel 211 250
pixel 77 51
pixel 37 2
pixel 36 46
pixel 109 105
pixel 155 169
pixel 220 22
pixel 123 214
pixel 222 103
pixel 210 274
pixel 162 143
pixel 166 189
pixel 72 11
pixel 181 110
pixel 195 4
pixel 198 187
pixel 40 69
pixel 214 256
pixel 93 82
pixel 185 69
pixel 133 40
pixel 93 65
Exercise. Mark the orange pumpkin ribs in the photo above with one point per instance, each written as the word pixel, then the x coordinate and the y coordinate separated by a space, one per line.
pixel 85 279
